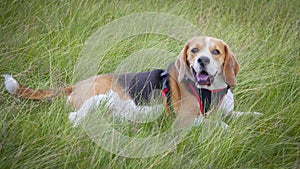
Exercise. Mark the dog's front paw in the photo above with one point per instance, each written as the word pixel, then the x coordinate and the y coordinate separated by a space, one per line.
pixel 198 120
pixel 224 126
pixel 257 114
pixel 239 114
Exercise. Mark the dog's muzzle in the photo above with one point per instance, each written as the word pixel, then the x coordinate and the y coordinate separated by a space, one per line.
pixel 201 75
pixel 202 78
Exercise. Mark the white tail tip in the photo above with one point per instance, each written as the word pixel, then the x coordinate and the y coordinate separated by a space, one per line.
pixel 11 84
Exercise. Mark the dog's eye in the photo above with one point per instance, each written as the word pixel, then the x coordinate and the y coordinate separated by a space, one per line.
pixel 195 50
pixel 215 52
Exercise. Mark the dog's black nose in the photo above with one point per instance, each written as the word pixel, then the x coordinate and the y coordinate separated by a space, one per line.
pixel 203 60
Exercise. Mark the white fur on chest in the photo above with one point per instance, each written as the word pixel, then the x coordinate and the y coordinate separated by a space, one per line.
pixel 227 104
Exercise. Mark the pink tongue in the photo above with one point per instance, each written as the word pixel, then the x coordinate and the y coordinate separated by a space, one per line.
pixel 202 77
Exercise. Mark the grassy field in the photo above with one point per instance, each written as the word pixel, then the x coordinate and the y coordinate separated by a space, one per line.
pixel 40 43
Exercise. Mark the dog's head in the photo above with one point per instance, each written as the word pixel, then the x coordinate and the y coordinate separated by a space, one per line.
pixel 207 61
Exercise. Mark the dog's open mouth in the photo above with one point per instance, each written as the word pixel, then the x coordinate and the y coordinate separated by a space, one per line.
pixel 202 78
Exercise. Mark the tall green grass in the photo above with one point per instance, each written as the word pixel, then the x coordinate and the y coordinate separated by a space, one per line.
pixel 41 41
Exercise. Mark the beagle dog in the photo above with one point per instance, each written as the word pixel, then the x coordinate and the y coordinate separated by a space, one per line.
pixel 198 83
pixel 205 72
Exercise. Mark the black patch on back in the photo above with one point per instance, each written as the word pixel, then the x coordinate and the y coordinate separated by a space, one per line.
pixel 142 85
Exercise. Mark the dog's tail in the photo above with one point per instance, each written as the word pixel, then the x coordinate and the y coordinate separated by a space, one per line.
pixel 21 91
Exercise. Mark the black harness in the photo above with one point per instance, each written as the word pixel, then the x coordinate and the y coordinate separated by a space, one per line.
pixel 166 92
pixel 207 99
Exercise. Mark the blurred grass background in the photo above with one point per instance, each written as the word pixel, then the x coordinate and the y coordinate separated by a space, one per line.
pixel 41 41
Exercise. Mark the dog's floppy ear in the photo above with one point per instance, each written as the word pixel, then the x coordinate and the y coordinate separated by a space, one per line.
pixel 231 67
pixel 181 63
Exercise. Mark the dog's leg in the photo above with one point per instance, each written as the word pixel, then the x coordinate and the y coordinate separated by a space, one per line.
pixel 237 114
pixel 77 116
pixel 202 120
pixel 93 102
